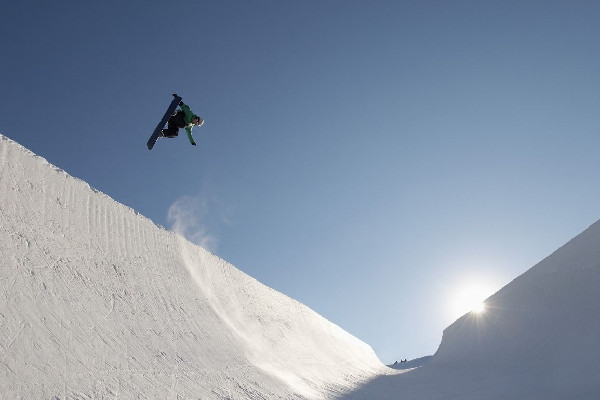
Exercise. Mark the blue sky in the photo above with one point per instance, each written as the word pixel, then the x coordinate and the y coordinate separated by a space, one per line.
pixel 369 159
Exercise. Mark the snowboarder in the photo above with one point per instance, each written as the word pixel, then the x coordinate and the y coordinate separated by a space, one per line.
pixel 184 118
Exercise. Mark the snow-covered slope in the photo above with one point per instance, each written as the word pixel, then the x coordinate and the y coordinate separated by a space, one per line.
pixel 541 333
pixel 538 340
pixel 96 301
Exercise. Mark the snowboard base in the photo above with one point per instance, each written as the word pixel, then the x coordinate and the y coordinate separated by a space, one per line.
pixel 158 131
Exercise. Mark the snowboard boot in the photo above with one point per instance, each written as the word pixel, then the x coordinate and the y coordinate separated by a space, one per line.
pixel 168 134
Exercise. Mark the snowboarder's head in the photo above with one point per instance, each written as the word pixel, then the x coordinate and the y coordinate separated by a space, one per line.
pixel 197 120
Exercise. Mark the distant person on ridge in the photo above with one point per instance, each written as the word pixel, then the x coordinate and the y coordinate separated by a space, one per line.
pixel 184 118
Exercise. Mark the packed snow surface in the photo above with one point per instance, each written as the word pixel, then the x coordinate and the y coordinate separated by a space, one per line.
pixel 98 302
pixel 539 339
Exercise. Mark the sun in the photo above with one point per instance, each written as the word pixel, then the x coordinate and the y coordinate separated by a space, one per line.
pixel 478 307
pixel 470 298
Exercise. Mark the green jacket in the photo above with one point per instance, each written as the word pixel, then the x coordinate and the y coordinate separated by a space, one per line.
pixel 188 117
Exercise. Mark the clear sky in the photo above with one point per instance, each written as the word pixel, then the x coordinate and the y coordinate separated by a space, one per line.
pixel 367 158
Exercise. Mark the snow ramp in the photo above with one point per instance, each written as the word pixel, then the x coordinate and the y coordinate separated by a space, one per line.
pixel 98 302
pixel 538 339
pixel 540 335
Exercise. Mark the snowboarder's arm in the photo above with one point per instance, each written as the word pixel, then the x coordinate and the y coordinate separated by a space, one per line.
pixel 189 115
pixel 188 129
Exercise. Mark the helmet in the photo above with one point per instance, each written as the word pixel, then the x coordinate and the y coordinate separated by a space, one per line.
pixel 200 120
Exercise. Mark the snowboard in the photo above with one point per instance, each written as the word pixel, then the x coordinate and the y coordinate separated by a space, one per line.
pixel 163 121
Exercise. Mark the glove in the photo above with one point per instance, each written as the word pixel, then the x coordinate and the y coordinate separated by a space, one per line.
pixel 194 143
pixel 181 103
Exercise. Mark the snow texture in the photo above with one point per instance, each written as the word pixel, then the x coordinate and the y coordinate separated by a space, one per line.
pixel 98 302
pixel 539 339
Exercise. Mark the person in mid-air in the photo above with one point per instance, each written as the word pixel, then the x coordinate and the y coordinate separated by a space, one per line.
pixel 184 118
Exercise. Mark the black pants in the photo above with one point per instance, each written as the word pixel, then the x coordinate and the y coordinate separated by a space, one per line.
pixel 176 121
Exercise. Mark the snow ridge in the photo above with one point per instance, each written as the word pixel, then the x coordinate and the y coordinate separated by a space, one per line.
pixel 538 339
pixel 540 332
pixel 97 301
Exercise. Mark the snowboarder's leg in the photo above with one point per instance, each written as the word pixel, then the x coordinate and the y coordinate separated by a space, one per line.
pixel 179 119
pixel 159 128
pixel 172 127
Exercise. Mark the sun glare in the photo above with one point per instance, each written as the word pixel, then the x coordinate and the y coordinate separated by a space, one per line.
pixel 478 307
pixel 471 298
